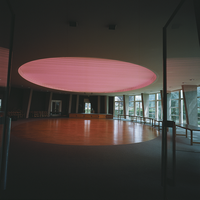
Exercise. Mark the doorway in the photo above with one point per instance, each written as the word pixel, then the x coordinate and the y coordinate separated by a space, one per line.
pixel 87 107
pixel 56 107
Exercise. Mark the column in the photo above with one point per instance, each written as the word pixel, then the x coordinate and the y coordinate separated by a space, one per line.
pixel 70 103
pixel 29 103
pixel 77 103
pixel 126 105
pixel 49 106
pixel 145 104
pixel 99 105
pixel 106 104
pixel 190 100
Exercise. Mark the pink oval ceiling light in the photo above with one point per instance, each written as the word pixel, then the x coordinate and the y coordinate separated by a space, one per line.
pixel 90 75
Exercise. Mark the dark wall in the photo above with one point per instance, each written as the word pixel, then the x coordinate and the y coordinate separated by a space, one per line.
pixel 38 102
pixel 102 104
pixel 19 99
pixel 81 104
pixel 65 101
pixel 74 99
pixel 110 109
pixel 16 99
pixel 2 96
pixel 94 103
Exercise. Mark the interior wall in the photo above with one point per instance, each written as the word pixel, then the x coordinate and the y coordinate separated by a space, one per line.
pixel 73 108
pixel 16 99
pixel 19 99
pixel 102 104
pixel 111 104
pixel 65 101
pixel 38 102
pixel 2 96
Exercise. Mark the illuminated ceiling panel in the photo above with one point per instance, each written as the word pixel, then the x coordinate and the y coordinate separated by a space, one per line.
pixel 90 75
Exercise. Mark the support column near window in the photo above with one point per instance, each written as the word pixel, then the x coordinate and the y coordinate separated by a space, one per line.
pixel 124 105
pixel 127 104
pixel 190 100
pixel 161 95
pixel 106 105
pixel 70 103
pixel 29 103
pixel 145 104
pixel 169 106
pixel 99 104
pixel 77 103
pixel 49 106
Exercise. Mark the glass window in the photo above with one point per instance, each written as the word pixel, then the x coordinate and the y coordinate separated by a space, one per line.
pixel 151 97
pixel 152 107
pixel 175 107
pixel 151 103
pixel 174 103
pixel 138 98
pixel 198 91
pixel 118 98
pixel 138 105
pixel 87 107
pixel 198 104
pixel 159 110
pixel 118 105
pixel 175 95
pixel 158 96
pixel 131 98
pixel 131 105
pixel 139 111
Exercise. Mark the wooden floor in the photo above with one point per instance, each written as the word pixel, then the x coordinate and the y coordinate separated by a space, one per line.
pixel 68 131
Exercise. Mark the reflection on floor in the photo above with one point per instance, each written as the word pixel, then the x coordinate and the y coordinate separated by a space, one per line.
pixel 85 131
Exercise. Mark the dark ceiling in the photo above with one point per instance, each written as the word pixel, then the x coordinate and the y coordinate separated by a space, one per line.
pixel 42 30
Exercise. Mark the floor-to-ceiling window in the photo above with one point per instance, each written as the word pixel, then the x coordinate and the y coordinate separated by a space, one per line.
pixel 178 107
pixel 198 104
pixel 131 105
pixel 158 106
pixel 182 107
pixel 118 105
pixel 138 105
pixel 87 107
pixel 175 106
pixel 152 106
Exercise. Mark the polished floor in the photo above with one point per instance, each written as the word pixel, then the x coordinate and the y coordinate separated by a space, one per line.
pixel 68 131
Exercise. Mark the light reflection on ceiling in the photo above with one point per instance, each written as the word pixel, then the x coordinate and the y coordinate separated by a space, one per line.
pixel 89 75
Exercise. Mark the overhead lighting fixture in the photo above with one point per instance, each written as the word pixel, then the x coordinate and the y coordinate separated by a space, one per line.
pixel 89 75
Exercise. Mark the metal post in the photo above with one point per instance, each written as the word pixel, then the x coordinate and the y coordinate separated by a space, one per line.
pixel 164 128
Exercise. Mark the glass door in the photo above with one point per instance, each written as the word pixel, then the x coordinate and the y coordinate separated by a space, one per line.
pixel 56 107
pixel 87 107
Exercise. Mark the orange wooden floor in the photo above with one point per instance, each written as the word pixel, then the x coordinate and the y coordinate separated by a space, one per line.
pixel 84 132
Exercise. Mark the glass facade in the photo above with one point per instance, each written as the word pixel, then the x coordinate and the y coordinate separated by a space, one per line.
pixel 198 105
pixel 131 105
pixel 118 105
pixel 175 106
pixel 178 113
pixel 138 105
pixel 152 106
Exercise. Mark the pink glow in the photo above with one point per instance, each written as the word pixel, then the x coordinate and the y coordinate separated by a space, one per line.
pixel 91 75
